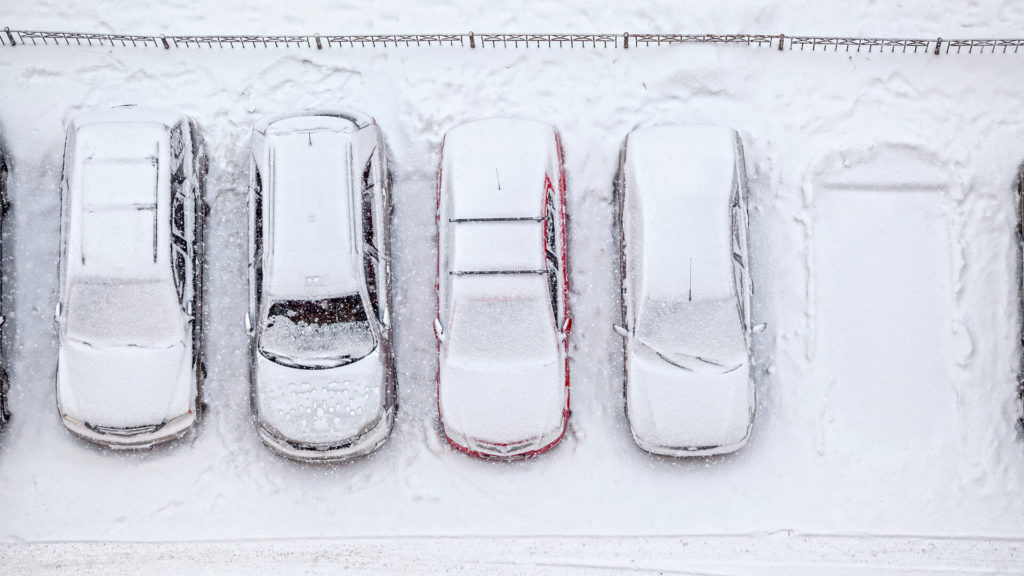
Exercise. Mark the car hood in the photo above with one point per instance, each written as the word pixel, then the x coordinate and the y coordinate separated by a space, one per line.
pixel 124 386
pixel 501 404
pixel 319 407
pixel 671 408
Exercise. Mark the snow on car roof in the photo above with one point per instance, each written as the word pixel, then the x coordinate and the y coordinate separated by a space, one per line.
pixel 312 201
pixel 118 196
pixel 681 179
pixel 516 245
pixel 506 318
pixel 495 175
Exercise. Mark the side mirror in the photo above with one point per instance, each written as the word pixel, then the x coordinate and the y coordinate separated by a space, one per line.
pixel 759 328
pixel 56 313
pixel 567 325
pixel 438 330
pixel 248 324
pixel 621 331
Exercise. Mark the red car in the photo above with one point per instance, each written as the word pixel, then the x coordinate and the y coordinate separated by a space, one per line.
pixel 502 289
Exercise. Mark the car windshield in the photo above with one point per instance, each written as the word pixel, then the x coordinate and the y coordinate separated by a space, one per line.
pixel 323 333
pixel 145 314
pixel 698 334
pixel 499 331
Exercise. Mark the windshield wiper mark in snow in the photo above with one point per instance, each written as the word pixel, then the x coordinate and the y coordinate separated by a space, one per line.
pixel 706 361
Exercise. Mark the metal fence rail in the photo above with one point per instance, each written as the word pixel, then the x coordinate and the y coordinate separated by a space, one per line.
pixel 472 40
pixel 857 44
pixel 659 39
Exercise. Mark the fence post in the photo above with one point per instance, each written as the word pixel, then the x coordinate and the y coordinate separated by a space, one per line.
pixel 782 40
pixel 319 46
pixel 938 43
pixel 164 40
pixel 625 40
pixel 472 40
pixel 10 36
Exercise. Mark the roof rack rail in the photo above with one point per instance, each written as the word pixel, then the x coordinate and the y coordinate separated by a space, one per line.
pixel 501 219
pixel 482 272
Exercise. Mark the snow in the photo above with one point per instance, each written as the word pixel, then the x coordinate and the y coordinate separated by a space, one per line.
pixel 327 407
pixel 683 178
pixel 124 387
pixel 885 436
pixel 115 195
pixel 508 246
pixel 311 193
pixel 495 168
pixel 501 379
pixel 115 312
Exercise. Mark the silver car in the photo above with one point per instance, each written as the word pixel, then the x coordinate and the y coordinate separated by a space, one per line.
pixel 319 319
pixel 686 290
pixel 129 316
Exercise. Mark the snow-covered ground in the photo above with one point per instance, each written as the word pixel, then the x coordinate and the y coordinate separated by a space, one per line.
pixel 883 252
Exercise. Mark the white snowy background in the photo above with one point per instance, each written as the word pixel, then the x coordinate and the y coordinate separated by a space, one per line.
pixel 883 217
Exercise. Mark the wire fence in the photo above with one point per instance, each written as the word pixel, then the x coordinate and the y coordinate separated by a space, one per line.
pixel 473 40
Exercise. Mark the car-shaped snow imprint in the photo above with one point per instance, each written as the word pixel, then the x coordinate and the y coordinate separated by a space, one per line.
pixel 686 290
pixel 502 289
pixel 319 319
pixel 129 315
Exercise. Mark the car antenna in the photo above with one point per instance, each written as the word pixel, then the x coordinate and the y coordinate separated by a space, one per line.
pixel 690 294
pixel 498 176
pixel 310 136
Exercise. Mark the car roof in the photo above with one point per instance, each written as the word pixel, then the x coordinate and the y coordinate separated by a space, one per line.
pixel 495 175
pixel 680 181
pixel 313 206
pixel 496 167
pixel 119 198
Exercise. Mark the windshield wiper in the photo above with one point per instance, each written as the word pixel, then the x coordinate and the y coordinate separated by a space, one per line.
pixel 724 369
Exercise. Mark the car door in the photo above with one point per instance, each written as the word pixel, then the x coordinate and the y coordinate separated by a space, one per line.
pixel 370 217
pixel 255 264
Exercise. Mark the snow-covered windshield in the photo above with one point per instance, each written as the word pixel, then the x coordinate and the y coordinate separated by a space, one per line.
pixel 317 333
pixel 500 331
pixel 698 334
pixel 145 314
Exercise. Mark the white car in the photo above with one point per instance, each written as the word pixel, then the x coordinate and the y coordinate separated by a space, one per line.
pixel 686 290
pixel 129 317
pixel 502 288
pixel 319 319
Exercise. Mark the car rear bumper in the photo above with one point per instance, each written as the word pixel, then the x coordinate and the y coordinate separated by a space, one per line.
pixel 339 452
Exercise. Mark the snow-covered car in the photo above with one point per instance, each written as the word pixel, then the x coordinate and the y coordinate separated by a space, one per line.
pixel 130 311
pixel 502 289
pixel 686 290
pixel 319 318
pixel 4 381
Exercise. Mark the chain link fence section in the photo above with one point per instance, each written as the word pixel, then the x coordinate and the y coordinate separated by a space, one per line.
pixel 385 40
pixel 74 38
pixel 504 40
pixel 659 39
pixel 981 45
pixel 233 41
pixel 547 40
